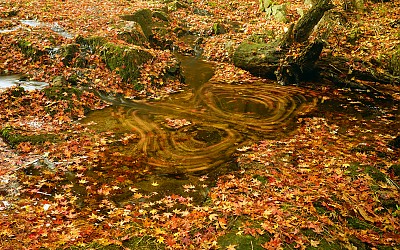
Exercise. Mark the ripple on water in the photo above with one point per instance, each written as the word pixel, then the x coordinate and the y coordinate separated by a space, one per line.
pixel 222 117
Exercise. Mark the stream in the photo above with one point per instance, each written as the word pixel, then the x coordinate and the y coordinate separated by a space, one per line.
pixel 199 130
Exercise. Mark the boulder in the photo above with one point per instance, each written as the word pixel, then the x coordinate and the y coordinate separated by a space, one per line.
pixel 144 18
pixel 132 32
pixel 125 60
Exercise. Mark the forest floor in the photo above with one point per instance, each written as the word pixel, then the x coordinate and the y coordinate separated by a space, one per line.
pixel 333 183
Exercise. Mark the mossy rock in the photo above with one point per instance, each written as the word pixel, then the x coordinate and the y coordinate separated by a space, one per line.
pixel 260 38
pixel 132 33
pixel 63 93
pixel 278 12
pixel 29 50
pixel 125 60
pixel 144 18
pixel 18 92
pixel 13 138
pixel 59 81
pixel 261 59
pixel 69 52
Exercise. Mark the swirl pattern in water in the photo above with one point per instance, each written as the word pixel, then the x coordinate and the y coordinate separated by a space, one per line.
pixel 193 132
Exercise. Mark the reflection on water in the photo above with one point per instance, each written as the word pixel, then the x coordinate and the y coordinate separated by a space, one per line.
pixel 196 72
pixel 192 132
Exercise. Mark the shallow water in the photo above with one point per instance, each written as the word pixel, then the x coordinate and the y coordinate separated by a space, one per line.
pixel 199 130
pixel 35 24
pixel 14 80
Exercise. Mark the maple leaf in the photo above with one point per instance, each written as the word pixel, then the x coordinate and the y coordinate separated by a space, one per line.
pixel 133 189
pixel 213 216
pixel 231 247
pixel 314 243
pixel 167 215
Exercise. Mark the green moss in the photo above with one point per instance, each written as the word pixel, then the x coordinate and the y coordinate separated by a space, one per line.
pixel 358 224
pixel 10 13
pixel 18 92
pixel 355 169
pixel 92 43
pixel 243 242
pixel 260 178
pixel 161 15
pixel 354 36
pixel 395 62
pixel 29 50
pixel 132 33
pixel 61 93
pixel 375 173
pixel 325 245
pixel 319 207
pixel 218 28
pixel 175 5
pixel 125 60
pixel 140 243
pixel 390 204
pixel 260 38
pixel 250 55
pixel 13 138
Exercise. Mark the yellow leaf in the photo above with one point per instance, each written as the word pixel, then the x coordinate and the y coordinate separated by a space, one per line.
pixel 213 216
pixel 231 247
pixel 314 243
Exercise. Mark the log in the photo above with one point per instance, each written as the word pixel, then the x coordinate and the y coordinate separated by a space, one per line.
pixel 271 60
pixel 295 70
pixel 306 24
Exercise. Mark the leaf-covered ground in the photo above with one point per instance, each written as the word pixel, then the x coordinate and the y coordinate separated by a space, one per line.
pixel 331 184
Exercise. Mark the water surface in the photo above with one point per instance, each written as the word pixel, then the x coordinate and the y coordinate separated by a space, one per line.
pixel 199 130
